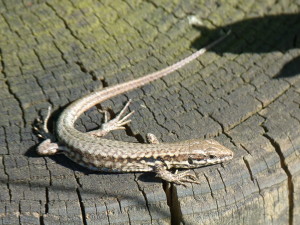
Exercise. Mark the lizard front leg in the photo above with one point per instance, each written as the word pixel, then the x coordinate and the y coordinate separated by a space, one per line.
pixel 162 172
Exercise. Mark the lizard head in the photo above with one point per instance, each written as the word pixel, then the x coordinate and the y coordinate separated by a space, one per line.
pixel 202 153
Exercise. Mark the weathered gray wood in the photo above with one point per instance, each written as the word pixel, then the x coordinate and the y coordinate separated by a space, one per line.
pixel 245 93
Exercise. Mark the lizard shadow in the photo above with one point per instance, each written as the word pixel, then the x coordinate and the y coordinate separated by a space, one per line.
pixel 256 35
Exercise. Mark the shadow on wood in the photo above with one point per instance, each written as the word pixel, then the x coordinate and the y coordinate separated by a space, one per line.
pixel 256 36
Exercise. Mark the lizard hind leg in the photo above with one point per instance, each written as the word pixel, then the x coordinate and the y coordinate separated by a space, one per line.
pixel 42 126
pixel 118 123
pixel 49 145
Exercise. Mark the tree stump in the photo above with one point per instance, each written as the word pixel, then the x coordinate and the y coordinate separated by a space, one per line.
pixel 245 93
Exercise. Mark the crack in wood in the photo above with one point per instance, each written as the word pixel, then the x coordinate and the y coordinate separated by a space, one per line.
pixel 285 168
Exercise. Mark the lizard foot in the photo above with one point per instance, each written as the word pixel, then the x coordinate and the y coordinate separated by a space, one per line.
pixel 180 178
pixel 115 124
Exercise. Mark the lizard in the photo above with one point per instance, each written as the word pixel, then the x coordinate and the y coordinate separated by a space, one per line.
pixel 99 154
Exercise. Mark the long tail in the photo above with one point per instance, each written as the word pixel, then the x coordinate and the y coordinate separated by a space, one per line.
pixel 88 101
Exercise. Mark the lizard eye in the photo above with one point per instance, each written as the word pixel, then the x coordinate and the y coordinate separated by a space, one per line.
pixel 212 156
pixel 190 160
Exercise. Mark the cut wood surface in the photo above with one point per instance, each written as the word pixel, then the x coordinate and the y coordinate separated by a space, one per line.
pixel 245 93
